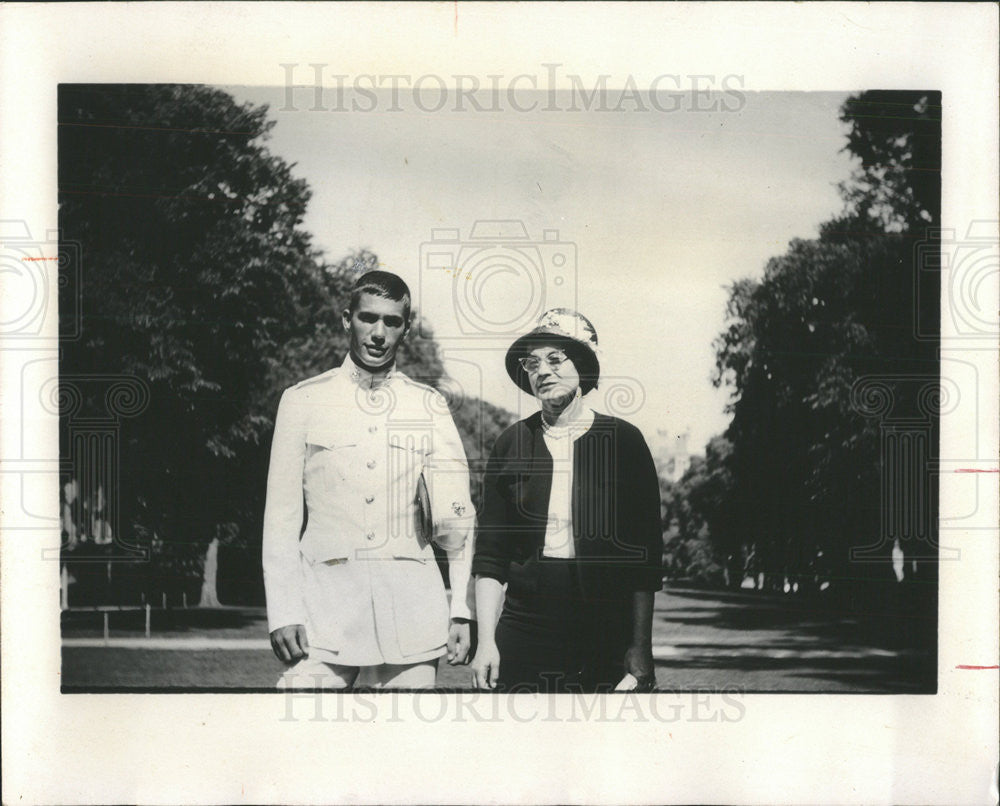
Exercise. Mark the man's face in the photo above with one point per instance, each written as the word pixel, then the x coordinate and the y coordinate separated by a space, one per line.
pixel 376 328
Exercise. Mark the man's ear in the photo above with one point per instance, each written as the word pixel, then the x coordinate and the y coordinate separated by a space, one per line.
pixel 345 317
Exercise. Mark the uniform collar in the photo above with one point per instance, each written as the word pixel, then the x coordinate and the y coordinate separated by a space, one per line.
pixel 365 378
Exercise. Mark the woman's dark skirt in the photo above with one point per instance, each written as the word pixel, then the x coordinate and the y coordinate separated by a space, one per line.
pixel 554 639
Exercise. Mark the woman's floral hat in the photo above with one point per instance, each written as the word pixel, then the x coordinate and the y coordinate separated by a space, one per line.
pixel 571 331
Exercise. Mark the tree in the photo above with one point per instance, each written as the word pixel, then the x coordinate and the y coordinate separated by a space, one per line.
pixel 193 270
pixel 896 137
pixel 700 538
pixel 807 461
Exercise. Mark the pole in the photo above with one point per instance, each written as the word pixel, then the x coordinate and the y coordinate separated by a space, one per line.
pixel 184 599
pixel 164 601
pixel 106 626
pixel 147 620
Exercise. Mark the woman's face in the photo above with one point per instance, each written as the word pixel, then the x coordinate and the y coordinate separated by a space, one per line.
pixel 552 382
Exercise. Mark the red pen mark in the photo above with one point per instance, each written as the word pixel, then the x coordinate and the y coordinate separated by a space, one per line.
pixel 977 668
pixel 977 470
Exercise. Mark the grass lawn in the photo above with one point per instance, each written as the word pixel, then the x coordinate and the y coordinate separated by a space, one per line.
pixel 114 668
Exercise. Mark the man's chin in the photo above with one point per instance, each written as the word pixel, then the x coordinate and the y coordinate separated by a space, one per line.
pixel 373 362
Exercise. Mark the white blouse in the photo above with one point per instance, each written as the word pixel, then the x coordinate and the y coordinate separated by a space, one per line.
pixel 559 527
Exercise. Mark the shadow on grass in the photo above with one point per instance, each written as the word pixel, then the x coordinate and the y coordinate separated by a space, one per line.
pixel 817 621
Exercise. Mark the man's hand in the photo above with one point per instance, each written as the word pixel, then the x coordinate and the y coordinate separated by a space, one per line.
pixel 639 663
pixel 486 666
pixel 459 641
pixel 290 643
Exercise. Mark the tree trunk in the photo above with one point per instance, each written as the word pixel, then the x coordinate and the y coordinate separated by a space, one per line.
pixel 209 594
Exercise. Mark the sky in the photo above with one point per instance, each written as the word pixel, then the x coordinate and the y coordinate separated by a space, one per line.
pixel 638 219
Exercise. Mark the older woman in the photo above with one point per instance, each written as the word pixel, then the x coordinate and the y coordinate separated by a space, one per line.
pixel 570 523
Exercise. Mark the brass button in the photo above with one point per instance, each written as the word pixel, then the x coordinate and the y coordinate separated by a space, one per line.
pixel 371 464
pixel 370 535
pixel 372 429
pixel 369 499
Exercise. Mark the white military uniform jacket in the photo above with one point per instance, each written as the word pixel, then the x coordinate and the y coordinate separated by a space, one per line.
pixel 341 551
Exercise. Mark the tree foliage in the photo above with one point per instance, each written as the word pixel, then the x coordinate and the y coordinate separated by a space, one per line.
pixel 701 539
pixel 803 476
pixel 194 273
pixel 896 138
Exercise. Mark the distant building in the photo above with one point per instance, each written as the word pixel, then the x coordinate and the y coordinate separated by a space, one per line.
pixel 670 453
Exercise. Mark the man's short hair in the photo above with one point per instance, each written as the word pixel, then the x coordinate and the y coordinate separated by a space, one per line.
pixel 382 284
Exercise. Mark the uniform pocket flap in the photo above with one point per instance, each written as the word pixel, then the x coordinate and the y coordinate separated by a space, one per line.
pixel 412 446
pixel 328 438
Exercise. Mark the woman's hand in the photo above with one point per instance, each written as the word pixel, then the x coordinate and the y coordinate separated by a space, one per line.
pixel 639 663
pixel 639 655
pixel 459 641
pixel 486 666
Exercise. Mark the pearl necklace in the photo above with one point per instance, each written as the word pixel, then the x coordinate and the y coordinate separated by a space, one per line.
pixel 576 427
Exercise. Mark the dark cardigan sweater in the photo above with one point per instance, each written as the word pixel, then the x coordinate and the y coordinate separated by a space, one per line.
pixel 617 531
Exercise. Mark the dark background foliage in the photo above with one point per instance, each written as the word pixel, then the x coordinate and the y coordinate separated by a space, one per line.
pixel 794 488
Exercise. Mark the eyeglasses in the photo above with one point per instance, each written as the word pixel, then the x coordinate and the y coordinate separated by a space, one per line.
pixel 532 363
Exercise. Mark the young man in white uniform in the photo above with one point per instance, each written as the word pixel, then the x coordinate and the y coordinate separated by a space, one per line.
pixel 351 579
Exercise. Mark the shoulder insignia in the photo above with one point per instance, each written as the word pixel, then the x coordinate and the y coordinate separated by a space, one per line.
pixel 324 376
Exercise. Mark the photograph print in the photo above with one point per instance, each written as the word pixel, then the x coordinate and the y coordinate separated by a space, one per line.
pixel 396 386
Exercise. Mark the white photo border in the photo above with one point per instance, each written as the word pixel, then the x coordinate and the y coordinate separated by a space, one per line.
pixel 238 748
